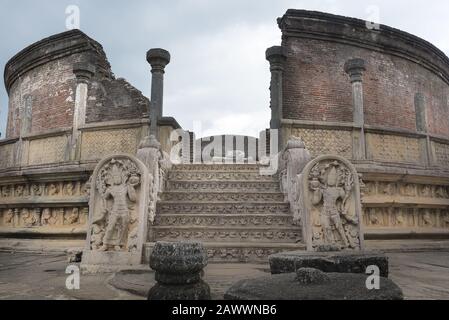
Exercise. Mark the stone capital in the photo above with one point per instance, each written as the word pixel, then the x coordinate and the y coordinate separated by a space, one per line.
pixel 158 59
pixel 83 71
pixel 276 56
pixel 355 68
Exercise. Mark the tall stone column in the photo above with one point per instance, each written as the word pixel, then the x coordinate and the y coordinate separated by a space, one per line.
pixel 158 59
pixel 355 68
pixel 277 57
pixel 84 73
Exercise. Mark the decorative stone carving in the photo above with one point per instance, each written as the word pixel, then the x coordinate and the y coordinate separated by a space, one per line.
pixel 294 159
pixel 331 204
pixel 158 165
pixel 178 269
pixel 117 214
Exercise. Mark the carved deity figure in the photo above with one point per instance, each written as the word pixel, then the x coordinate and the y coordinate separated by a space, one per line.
pixel 334 205
pixel 48 218
pixel 19 191
pixel 69 189
pixel 29 218
pixel 53 190
pixel 8 218
pixel 117 188
pixel 334 199
pixel 37 190
pixel 72 216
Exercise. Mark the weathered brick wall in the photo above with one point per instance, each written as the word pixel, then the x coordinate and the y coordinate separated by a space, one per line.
pixel 51 88
pixel 114 99
pixel 317 88
pixel 42 86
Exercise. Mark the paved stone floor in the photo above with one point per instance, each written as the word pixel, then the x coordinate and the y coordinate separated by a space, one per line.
pixel 421 275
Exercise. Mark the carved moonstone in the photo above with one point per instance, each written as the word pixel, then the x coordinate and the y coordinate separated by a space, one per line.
pixel 331 205
pixel 118 214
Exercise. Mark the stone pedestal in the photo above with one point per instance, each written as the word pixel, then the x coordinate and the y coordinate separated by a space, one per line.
pixel 178 269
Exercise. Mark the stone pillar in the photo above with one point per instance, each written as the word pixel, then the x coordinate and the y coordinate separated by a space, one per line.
pixel 277 57
pixel 84 73
pixel 425 143
pixel 158 59
pixel 355 68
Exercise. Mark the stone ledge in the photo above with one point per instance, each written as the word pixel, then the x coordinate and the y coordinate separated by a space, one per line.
pixel 43 232
pixel 406 233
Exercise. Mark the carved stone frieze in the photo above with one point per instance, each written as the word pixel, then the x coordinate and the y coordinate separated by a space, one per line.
pixel 231 208
pixel 223 197
pixel 218 176
pixel 31 217
pixel 274 220
pixel 262 186
pixel 400 218
pixel 228 235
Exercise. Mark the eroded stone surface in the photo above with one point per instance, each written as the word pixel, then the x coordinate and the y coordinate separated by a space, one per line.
pixel 341 286
pixel 340 262
pixel 178 269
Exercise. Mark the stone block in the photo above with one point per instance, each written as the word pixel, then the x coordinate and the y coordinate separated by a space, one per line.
pixel 334 262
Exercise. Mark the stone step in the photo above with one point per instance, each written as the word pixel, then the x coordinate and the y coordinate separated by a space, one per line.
pixel 227 220
pixel 235 197
pixel 212 186
pixel 218 167
pixel 220 176
pixel 227 234
pixel 238 252
pixel 218 208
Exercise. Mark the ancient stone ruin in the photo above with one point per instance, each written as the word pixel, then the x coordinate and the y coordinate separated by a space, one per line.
pixel 88 159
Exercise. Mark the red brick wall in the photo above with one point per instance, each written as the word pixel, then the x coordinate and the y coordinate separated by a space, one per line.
pixel 52 90
pixel 317 88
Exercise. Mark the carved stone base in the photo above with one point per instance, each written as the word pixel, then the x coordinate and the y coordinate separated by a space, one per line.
pixel 99 262
pixel 197 291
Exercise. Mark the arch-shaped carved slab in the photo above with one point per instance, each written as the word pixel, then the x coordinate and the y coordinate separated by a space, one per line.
pixel 332 210
pixel 118 213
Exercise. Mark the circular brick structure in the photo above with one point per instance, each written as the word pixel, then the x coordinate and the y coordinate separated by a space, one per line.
pixel 377 96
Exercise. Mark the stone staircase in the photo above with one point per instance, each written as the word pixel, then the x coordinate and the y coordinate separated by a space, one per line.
pixel 237 213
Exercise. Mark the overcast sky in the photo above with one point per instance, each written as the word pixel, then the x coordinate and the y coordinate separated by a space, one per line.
pixel 218 75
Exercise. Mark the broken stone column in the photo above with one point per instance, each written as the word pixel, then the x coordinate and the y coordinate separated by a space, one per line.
pixel 355 68
pixel 158 59
pixel 276 56
pixel 179 269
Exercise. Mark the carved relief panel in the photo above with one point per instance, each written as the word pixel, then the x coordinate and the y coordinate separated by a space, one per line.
pixel 118 212
pixel 331 205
